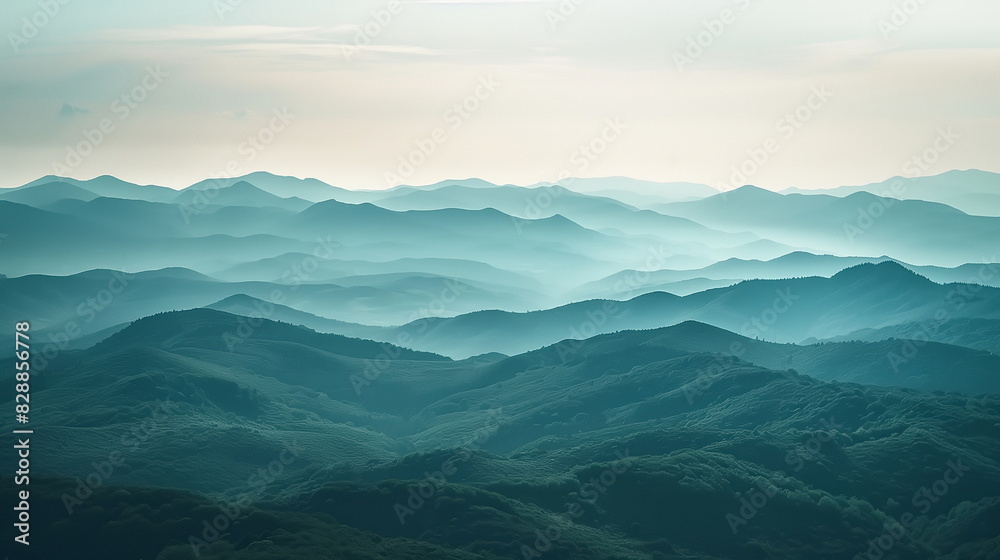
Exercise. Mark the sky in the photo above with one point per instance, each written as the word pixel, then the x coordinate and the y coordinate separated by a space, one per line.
pixel 371 94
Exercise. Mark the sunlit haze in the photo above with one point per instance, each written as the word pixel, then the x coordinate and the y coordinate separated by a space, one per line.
pixel 508 91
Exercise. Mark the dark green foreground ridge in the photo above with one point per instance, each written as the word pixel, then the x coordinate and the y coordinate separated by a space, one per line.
pixel 205 434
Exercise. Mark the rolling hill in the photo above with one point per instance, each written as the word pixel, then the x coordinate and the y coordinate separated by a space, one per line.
pixel 788 310
pixel 859 224
pixel 630 422
pixel 971 191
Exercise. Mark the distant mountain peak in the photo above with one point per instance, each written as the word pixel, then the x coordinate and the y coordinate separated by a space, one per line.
pixel 653 297
pixel 48 192
pixel 206 328
pixel 235 298
pixel 471 182
pixel 800 254
pixel 747 192
pixel 268 174
pixel 247 186
pixel 48 179
pixel 751 188
pixel 888 270
pixel 697 327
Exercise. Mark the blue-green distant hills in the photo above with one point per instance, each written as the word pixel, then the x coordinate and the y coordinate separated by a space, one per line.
pixel 971 191
pixel 867 296
pixel 860 223
pixel 268 367
pixel 673 412
pixel 864 298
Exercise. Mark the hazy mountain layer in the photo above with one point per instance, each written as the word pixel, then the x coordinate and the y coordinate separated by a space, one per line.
pixel 972 191
pixel 605 369
pixel 587 446
pixel 858 224
pixel 792 265
pixel 868 296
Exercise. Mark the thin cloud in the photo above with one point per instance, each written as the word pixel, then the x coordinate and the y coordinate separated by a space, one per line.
pixel 211 34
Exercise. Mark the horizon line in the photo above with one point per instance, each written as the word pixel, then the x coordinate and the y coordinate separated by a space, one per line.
pixel 536 184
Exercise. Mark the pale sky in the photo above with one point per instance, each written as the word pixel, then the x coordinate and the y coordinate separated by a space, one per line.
pixel 547 85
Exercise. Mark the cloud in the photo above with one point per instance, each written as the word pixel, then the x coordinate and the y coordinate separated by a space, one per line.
pixel 68 110
pixel 269 40
pixel 210 34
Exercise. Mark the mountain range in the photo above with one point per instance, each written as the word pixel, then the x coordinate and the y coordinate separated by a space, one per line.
pixel 676 421
pixel 269 367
